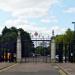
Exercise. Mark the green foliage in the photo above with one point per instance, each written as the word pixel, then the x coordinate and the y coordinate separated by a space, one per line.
pixel 9 34
pixel 5 30
pixel 59 38
pixel 42 50
pixel 66 38
pixel 8 40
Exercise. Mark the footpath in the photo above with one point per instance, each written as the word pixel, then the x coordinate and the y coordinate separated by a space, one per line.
pixel 5 65
pixel 68 68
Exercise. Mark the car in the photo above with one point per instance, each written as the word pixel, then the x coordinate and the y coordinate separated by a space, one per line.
pixel 33 54
pixel 48 55
pixel 57 57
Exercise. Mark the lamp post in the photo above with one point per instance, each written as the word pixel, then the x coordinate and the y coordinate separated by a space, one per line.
pixel 74 31
pixel 74 43
pixel 74 25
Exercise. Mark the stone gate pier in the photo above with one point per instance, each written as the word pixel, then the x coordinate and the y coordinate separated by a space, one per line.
pixel 18 58
pixel 53 48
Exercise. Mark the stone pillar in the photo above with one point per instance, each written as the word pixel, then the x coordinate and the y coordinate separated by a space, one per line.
pixel 53 50
pixel 19 47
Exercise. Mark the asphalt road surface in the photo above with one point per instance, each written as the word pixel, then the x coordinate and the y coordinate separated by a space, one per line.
pixel 31 69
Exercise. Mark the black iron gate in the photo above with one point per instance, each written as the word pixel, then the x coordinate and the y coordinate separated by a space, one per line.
pixel 65 52
pixel 36 51
pixel 8 51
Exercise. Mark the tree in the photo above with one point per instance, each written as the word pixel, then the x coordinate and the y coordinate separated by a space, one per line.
pixel 9 38
pixel 68 36
pixel 66 40
pixel 42 50
pixel 59 38
pixel 27 44
pixel 5 30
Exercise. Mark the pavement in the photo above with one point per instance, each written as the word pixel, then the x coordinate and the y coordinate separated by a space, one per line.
pixel 68 68
pixel 37 69
pixel 5 65
pixel 31 69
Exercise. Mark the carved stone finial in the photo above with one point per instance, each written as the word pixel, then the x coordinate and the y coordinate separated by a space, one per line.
pixel 18 33
pixel 52 32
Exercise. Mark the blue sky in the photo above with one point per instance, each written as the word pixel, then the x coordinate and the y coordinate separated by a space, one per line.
pixel 38 15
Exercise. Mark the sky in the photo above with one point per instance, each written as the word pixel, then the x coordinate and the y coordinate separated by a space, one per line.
pixel 40 16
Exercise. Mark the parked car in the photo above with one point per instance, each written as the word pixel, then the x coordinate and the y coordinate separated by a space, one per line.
pixel 57 58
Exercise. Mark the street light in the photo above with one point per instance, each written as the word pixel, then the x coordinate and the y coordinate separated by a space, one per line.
pixel 74 43
pixel 74 25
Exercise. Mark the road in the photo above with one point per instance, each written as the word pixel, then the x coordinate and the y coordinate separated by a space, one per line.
pixel 31 69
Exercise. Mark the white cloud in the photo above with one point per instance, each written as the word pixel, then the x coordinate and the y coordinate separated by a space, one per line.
pixel 22 9
pixel 49 19
pixel 34 28
pixel 45 20
pixel 70 10
pixel 14 22
pixel 27 7
pixel 25 25
pixel 58 30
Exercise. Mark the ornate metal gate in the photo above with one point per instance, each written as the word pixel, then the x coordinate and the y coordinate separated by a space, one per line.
pixel 38 51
